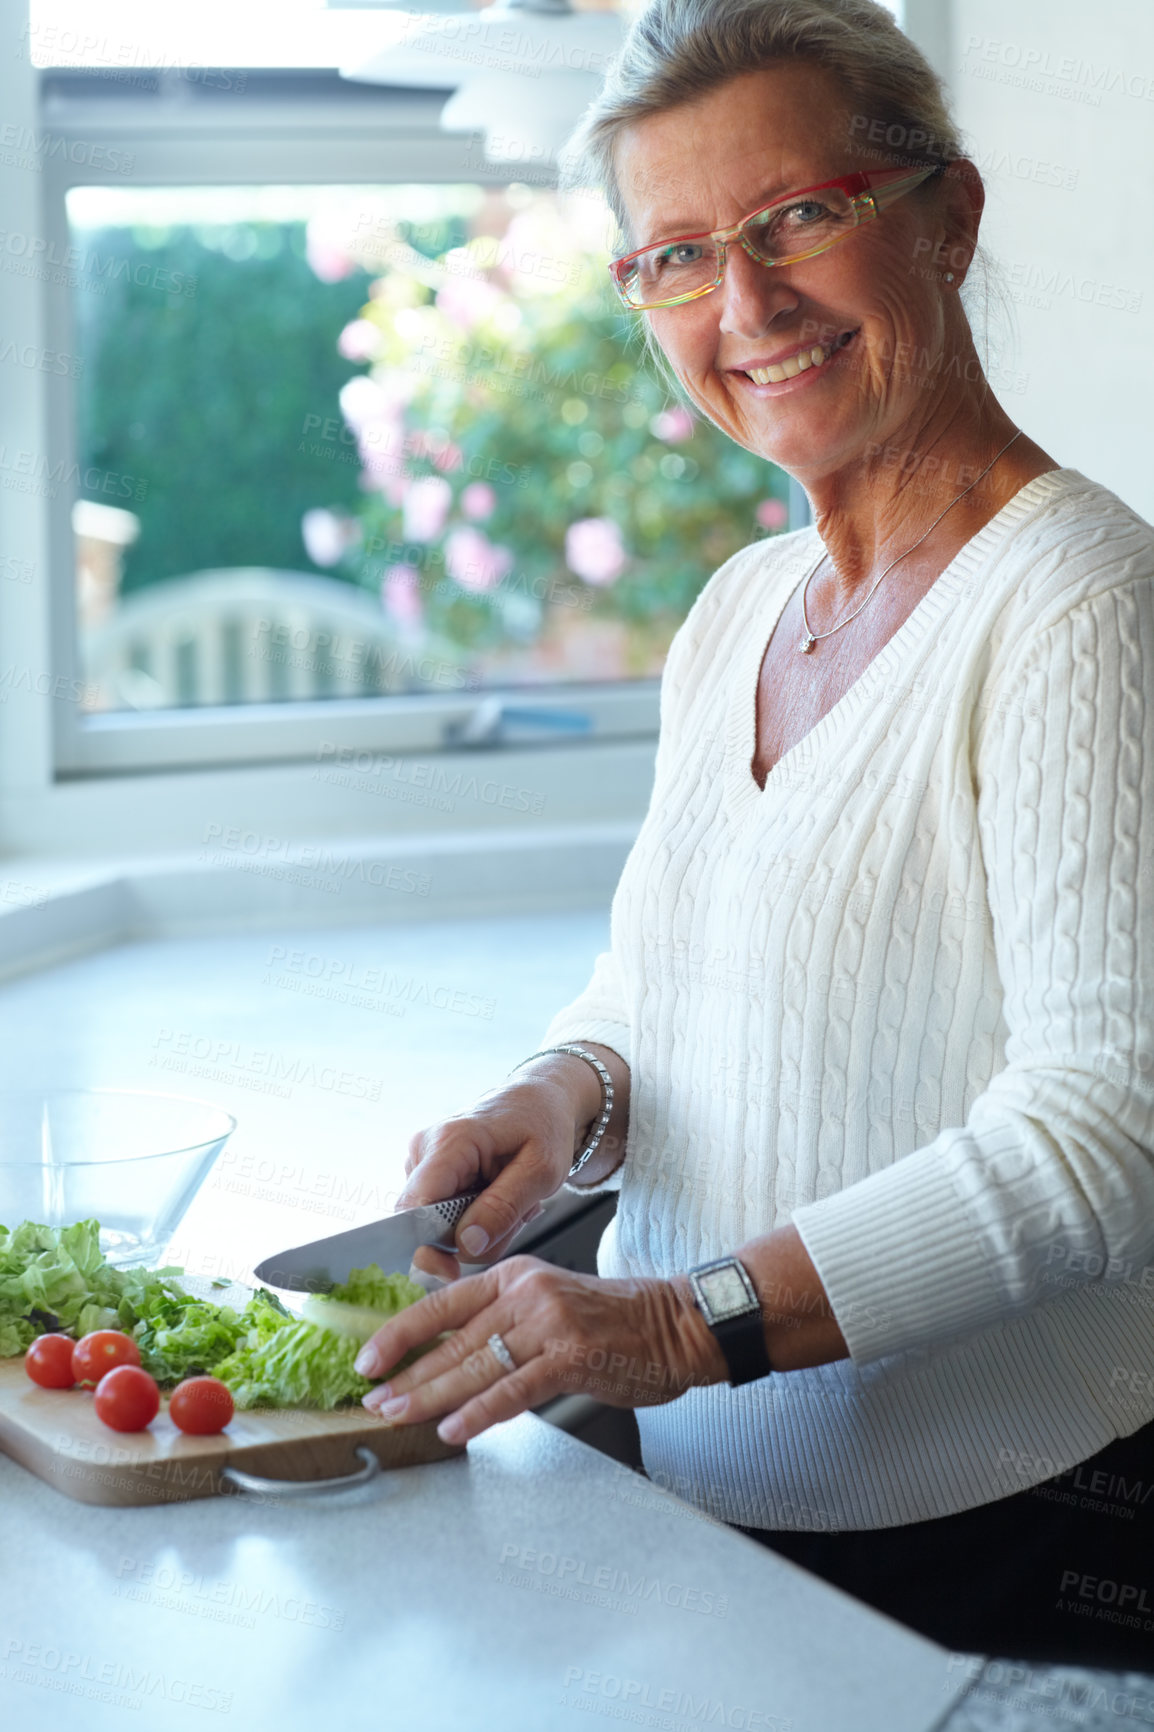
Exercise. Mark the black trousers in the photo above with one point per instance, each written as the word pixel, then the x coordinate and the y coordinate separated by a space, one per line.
pixel 1063 1572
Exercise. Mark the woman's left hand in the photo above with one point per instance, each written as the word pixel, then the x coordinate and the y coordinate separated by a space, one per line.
pixel 633 1343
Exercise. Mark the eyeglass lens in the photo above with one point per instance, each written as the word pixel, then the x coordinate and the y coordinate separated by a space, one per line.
pixel 789 229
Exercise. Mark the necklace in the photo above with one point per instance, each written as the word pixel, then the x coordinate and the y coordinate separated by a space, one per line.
pixel 811 637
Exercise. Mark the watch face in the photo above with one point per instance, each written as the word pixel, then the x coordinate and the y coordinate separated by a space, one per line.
pixel 725 1292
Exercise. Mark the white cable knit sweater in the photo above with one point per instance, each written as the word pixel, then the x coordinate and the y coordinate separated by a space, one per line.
pixel 904 997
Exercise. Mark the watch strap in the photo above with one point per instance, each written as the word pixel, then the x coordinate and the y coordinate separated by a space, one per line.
pixel 742 1340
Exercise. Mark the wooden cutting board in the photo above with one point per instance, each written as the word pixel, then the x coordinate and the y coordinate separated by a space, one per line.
pixel 55 1433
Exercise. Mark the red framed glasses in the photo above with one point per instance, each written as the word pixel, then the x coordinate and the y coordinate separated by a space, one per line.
pixel 798 226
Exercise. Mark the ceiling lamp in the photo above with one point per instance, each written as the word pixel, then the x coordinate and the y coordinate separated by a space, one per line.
pixel 523 70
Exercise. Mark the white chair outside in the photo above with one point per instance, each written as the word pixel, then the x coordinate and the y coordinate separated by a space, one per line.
pixel 249 634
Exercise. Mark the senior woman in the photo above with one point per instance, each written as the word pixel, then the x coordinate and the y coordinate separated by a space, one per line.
pixel 870 1054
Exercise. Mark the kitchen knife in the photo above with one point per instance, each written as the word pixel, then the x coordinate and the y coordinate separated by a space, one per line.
pixel 323 1263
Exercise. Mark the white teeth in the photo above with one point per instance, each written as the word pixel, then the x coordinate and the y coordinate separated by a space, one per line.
pixel 791 366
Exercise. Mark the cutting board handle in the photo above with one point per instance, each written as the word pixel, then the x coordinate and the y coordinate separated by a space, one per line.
pixel 255 1482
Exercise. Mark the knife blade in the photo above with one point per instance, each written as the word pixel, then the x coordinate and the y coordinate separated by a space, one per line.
pixel 323 1263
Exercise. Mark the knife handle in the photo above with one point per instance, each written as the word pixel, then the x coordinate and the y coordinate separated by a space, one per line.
pixel 447 1213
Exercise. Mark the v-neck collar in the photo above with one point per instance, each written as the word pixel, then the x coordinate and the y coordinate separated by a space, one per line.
pixel 742 791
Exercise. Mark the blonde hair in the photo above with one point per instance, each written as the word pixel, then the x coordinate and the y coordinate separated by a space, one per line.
pixel 677 50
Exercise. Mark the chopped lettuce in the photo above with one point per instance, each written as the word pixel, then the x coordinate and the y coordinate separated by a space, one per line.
pixel 178 1340
pixel 309 1365
pixel 377 1291
pixel 57 1279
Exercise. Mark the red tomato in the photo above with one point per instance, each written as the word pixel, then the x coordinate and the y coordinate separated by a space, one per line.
pixel 201 1405
pixel 127 1398
pixel 101 1351
pixel 48 1361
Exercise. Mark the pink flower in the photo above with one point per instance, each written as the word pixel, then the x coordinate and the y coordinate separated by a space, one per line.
pixel 359 340
pixel 326 535
pixel 426 507
pixel 474 561
pixel 326 249
pixel 466 300
pixel 672 425
pixel 771 514
pixel 401 594
pixel 478 501
pixel 593 550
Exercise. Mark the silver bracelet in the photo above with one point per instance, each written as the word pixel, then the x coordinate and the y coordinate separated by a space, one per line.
pixel 606 1096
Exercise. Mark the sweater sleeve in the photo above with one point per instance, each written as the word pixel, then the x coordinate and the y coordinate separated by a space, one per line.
pixel 1051 1179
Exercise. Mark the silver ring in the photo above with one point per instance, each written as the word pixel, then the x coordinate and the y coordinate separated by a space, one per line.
pixel 501 1353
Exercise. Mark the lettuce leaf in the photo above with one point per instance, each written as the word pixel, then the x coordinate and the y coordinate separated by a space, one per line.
pixel 307 1365
pixel 183 1339
pixel 376 1291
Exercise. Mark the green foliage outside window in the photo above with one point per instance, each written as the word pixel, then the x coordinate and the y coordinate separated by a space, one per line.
pixel 455 416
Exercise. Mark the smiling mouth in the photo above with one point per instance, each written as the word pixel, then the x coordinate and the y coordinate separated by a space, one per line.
pixel 799 363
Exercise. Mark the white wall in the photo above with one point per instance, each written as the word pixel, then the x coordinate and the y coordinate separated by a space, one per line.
pixel 1063 90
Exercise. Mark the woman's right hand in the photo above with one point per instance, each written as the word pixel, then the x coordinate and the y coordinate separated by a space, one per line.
pixel 518 1142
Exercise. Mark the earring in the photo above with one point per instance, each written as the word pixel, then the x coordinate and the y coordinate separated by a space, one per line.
pixel 949 276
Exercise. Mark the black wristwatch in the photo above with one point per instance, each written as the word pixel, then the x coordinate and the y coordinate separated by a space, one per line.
pixel 728 1301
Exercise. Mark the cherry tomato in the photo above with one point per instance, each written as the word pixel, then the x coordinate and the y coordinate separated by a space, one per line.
pixel 102 1351
pixel 127 1398
pixel 48 1361
pixel 201 1405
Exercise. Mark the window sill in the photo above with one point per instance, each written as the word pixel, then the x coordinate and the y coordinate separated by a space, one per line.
pixel 53 908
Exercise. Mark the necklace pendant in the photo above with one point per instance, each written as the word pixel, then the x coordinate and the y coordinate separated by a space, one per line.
pixel 806 643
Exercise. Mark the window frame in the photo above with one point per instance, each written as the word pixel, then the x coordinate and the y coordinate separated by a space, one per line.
pixel 297 129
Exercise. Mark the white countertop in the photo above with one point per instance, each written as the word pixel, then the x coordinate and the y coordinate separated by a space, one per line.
pixel 526 1586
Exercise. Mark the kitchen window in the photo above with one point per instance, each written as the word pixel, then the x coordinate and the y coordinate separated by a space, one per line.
pixel 361 455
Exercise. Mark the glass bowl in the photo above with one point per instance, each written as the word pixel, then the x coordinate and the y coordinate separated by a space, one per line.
pixel 130 1159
